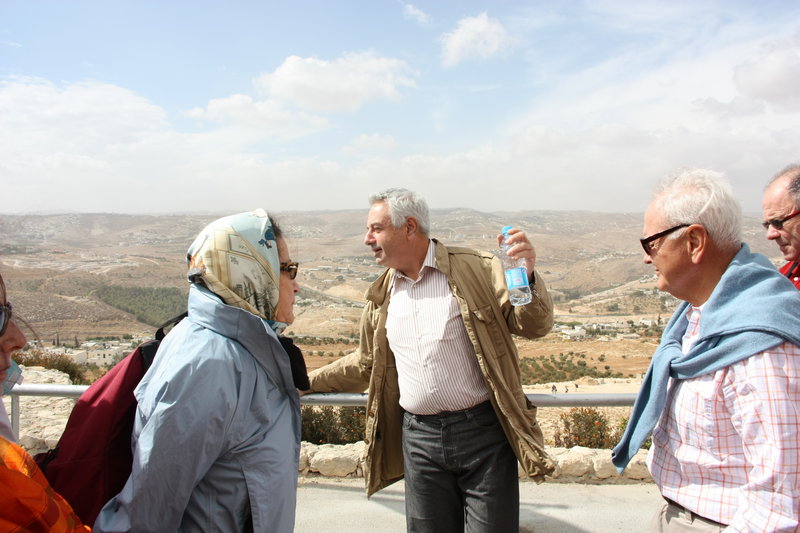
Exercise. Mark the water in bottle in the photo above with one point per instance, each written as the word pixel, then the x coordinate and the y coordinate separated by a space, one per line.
pixel 519 291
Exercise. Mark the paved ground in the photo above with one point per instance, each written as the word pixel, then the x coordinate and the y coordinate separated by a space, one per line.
pixel 332 506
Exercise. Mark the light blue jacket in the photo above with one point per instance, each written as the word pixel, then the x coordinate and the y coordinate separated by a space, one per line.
pixel 216 439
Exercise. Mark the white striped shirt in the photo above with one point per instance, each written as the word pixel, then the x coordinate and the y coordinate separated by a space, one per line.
pixel 436 363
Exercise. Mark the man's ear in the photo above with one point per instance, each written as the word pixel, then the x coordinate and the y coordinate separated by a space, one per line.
pixel 412 226
pixel 696 242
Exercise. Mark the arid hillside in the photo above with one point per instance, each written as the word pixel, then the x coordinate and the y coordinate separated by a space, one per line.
pixel 57 267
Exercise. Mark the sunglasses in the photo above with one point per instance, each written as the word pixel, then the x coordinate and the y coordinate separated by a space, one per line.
pixel 778 223
pixel 291 268
pixel 647 241
pixel 5 317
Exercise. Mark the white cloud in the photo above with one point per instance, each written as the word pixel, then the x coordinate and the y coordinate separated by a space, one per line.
pixel 344 84
pixel 41 119
pixel 371 144
pixel 475 37
pixel 412 12
pixel 600 137
pixel 595 133
pixel 654 88
pixel 646 14
pixel 266 119
pixel 772 76
pixel 96 147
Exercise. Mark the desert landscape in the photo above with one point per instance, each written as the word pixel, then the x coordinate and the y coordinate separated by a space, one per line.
pixel 60 268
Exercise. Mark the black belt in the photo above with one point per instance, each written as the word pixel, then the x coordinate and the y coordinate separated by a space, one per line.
pixel 483 406
pixel 694 515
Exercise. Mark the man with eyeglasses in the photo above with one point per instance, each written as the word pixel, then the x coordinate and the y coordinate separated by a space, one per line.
pixel 780 206
pixel 722 392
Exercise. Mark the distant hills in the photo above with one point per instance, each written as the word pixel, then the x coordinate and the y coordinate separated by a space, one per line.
pixel 54 264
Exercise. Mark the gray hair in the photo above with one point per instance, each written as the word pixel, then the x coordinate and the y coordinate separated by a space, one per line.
pixel 699 196
pixel 402 204
pixel 793 188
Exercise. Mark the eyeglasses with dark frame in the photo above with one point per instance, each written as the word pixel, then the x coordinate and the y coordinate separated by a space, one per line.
pixel 5 317
pixel 646 242
pixel 778 223
pixel 291 268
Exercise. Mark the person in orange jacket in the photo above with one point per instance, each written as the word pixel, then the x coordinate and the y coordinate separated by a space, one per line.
pixel 29 502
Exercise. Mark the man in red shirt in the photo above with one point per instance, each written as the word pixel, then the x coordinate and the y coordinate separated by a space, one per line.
pixel 780 206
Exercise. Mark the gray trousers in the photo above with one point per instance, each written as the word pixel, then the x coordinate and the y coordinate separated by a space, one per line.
pixel 672 518
pixel 460 473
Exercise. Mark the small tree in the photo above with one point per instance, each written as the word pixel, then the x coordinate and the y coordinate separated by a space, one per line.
pixel 328 425
pixel 584 426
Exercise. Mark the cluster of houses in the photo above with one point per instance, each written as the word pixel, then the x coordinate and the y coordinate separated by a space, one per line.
pixel 100 353
pixel 340 274
pixel 605 331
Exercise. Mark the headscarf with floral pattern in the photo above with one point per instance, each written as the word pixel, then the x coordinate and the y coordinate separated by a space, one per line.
pixel 236 257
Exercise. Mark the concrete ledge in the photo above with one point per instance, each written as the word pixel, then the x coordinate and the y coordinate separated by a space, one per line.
pixel 588 465
pixel 578 464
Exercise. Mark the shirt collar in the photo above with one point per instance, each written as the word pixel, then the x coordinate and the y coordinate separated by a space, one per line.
pixel 693 313
pixel 429 262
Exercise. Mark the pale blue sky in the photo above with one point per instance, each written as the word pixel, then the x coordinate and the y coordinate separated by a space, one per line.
pixel 173 106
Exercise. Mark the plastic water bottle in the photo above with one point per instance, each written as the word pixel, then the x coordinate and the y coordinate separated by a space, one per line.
pixel 519 291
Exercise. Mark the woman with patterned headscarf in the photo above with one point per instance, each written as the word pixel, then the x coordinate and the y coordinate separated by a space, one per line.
pixel 217 431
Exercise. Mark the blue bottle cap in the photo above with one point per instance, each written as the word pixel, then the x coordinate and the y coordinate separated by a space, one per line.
pixel 506 229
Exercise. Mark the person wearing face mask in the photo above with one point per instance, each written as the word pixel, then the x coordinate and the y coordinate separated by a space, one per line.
pixel 10 373
pixel 216 438
pixel 29 503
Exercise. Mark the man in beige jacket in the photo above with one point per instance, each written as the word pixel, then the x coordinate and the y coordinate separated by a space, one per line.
pixel 446 407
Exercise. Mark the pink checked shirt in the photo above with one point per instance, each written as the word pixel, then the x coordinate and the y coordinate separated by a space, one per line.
pixel 726 446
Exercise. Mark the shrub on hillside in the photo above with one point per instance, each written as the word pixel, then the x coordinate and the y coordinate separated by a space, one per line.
pixel 585 426
pixel 331 425
pixel 55 361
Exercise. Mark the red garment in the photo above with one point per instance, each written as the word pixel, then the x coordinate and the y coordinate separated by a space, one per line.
pixel 93 459
pixel 792 271
pixel 29 503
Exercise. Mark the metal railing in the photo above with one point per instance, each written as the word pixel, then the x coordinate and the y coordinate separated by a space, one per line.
pixel 341 399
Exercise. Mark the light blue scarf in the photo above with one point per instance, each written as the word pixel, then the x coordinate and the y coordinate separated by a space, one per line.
pixel 753 308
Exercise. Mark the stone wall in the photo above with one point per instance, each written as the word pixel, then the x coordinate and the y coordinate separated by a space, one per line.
pixel 42 421
pixel 576 465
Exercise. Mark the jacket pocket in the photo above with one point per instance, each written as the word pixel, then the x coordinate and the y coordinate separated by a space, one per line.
pixel 489 332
